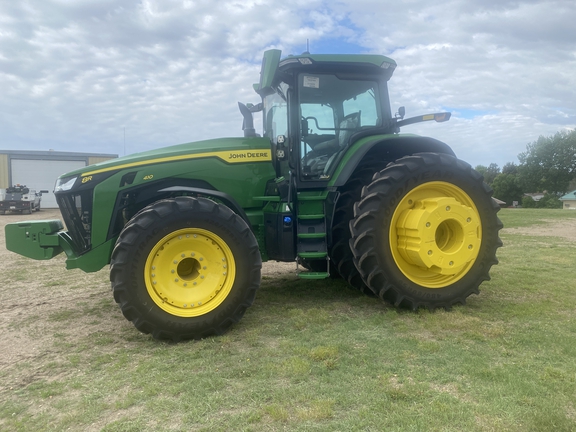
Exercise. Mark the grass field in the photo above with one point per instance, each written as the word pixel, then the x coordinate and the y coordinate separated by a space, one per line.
pixel 309 355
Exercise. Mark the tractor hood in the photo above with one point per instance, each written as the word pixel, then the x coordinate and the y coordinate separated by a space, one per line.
pixel 230 150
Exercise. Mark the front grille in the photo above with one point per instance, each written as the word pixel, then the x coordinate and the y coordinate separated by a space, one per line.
pixel 76 209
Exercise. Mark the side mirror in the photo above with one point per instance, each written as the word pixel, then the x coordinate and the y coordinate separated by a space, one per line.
pixel 248 124
pixel 401 113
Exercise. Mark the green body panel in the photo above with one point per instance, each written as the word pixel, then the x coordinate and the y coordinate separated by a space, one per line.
pixel 241 179
pixel 164 155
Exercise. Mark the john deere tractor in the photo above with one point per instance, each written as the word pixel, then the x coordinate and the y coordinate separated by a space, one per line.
pixel 331 184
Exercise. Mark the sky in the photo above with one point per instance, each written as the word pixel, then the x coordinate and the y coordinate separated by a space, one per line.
pixel 121 76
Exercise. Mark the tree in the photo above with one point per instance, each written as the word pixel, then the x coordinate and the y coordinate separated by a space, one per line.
pixel 528 202
pixel 507 188
pixel 510 168
pixel 550 201
pixel 490 172
pixel 549 163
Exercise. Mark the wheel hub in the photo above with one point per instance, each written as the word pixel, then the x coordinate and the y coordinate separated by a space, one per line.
pixel 439 234
pixel 189 272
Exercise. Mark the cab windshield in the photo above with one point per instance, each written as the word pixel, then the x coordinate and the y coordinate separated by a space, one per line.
pixel 332 109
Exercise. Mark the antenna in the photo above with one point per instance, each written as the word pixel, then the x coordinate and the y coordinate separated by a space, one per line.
pixel 307 47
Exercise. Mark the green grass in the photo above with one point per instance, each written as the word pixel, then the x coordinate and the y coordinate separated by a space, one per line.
pixel 314 355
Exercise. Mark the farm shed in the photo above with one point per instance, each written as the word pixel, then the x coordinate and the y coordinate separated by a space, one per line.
pixel 569 201
pixel 40 169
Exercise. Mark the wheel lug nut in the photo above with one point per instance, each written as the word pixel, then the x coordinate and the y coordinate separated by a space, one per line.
pixel 429 252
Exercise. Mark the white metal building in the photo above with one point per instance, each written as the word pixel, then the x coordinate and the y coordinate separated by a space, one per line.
pixel 569 201
pixel 40 169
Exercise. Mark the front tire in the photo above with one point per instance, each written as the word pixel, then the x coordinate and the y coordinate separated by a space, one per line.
pixel 185 268
pixel 425 232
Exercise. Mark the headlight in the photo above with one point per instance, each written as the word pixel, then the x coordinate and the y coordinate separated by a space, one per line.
pixel 65 184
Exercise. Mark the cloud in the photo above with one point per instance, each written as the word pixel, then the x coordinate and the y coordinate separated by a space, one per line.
pixel 76 75
pixel 514 60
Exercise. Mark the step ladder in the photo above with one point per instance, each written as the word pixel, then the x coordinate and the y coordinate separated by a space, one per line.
pixel 311 239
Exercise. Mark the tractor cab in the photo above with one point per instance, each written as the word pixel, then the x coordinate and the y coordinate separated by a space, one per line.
pixel 314 105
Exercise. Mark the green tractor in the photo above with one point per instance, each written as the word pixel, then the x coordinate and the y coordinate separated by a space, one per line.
pixel 332 184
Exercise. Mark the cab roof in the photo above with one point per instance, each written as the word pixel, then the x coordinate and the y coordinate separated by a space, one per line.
pixel 355 59
pixel 272 65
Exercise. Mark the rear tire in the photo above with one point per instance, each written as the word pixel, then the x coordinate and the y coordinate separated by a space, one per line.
pixel 185 268
pixel 340 253
pixel 425 232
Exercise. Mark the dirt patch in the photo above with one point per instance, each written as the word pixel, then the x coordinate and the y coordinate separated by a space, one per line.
pixel 565 229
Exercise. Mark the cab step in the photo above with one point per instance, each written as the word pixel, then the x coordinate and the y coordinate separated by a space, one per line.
pixel 313 275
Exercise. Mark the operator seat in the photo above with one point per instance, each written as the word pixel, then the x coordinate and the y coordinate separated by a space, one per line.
pixel 318 160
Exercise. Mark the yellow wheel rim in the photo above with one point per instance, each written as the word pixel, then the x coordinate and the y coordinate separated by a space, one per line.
pixel 189 272
pixel 435 234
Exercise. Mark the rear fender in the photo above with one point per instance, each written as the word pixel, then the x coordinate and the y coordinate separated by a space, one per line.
pixel 384 149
